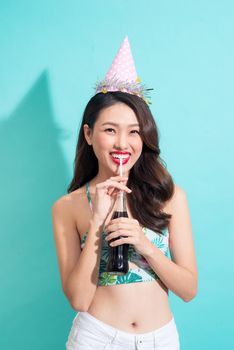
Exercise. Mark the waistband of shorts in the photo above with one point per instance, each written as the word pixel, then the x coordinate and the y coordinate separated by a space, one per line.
pixel 126 337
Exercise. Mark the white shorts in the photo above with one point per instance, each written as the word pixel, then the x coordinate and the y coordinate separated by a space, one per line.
pixel 88 333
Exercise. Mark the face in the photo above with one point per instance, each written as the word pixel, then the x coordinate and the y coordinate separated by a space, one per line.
pixel 116 133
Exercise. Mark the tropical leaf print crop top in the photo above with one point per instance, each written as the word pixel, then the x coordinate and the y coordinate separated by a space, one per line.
pixel 141 273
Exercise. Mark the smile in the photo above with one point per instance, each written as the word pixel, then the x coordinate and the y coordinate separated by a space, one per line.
pixel 116 157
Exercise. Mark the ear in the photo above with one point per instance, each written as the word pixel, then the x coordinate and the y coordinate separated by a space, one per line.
pixel 88 133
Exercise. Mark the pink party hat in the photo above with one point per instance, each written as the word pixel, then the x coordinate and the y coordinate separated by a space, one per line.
pixel 122 75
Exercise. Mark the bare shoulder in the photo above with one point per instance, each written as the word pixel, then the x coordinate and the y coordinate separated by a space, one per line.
pixel 74 209
pixel 62 214
pixel 70 201
pixel 62 202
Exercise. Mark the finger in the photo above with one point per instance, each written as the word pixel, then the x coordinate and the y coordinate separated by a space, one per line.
pixel 122 240
pixel 118 234
pixel 111 191
pixel 110 184
pixel 119 178
pixel 121 220
pixel 119 226
pixel 114 191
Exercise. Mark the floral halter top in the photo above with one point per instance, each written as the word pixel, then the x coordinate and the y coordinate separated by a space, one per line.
pixel 141 273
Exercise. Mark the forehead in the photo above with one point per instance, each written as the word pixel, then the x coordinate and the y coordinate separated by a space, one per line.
pixel 119 113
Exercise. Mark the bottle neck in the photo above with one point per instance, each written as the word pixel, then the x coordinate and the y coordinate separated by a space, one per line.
pixel 121 201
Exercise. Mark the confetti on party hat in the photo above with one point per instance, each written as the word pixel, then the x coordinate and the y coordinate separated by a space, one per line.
pixel 122 75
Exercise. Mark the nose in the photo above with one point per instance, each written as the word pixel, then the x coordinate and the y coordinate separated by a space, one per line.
pixel 121 141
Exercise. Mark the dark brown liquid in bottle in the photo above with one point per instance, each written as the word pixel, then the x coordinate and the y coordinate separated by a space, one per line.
pixel 118 256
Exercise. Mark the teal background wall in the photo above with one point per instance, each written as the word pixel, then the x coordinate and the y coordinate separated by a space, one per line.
pixel 51 54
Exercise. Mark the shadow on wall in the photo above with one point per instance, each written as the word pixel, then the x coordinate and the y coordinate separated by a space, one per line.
pixel 33 175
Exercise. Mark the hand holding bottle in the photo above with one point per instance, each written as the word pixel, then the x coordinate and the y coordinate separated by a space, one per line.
pixel 105 195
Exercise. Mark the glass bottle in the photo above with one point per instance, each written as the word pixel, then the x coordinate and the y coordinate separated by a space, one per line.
pixel 117 263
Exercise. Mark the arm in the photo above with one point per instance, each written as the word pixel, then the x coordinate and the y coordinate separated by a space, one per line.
pixel 78 269
pixel 179 274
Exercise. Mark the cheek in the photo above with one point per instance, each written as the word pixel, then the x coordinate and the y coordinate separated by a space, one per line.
pixel 138 145
pixel 101 143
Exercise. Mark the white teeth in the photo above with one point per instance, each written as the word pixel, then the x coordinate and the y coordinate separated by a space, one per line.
pixel 122 156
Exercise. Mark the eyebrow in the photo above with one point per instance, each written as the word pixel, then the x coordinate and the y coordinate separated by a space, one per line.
pixel 110 123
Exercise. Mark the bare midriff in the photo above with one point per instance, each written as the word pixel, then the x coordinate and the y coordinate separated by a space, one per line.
pixel 134 307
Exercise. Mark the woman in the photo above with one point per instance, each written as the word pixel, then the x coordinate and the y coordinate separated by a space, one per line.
pixel 131 311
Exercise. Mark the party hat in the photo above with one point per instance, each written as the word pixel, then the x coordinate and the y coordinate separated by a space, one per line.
pixel 122 75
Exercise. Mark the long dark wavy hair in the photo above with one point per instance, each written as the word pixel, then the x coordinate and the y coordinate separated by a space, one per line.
pixel 149 180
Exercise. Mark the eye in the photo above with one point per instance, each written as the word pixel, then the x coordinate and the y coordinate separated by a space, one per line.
pixel 109 130
pixel 135 132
